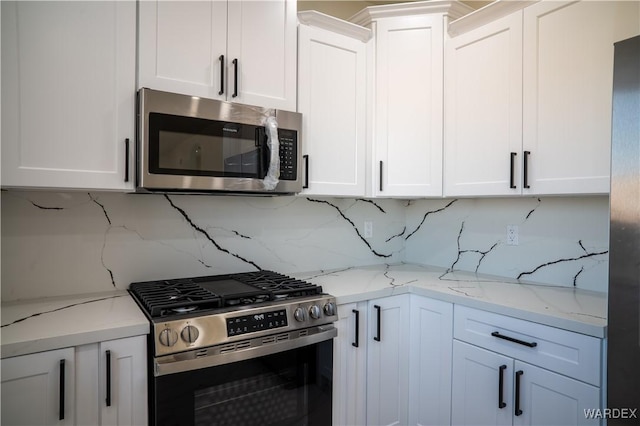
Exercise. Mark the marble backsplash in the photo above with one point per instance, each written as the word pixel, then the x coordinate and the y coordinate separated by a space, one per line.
pixel 70 243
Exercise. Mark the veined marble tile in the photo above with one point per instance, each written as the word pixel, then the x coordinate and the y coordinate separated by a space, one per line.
pixel 562 241
pixel 69 243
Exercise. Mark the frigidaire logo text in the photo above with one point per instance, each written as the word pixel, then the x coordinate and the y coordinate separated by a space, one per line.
pixel 225 129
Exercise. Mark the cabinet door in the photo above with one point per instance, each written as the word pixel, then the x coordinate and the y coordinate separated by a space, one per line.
pixel 123 381
pixel 483 110
pixel 331 80
pixel 349 365
pixel 567 75
pixel 430 362
pixel 262 38
pixel 547 398
pixel 68 93
pixel 477 375
pixel 408 124
pixel 38 389
pixel 181 44
pixel 388 361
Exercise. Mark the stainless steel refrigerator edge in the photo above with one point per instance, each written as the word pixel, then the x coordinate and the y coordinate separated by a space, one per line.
pixel 623 332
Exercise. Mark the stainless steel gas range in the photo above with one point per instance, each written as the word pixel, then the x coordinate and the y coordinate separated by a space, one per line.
pixel 253 348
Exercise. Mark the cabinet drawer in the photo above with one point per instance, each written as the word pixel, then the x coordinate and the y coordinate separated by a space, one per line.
pixel 565 352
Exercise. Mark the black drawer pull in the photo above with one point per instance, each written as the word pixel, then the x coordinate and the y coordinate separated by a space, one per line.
pixel 501 403
pixel 518 411
pixel 514 340
pixel 108 399
pixel 126 160
pixel 525 170
pixel 306 171
pixel 235 78
pixel 377 336
pixel 61 398
pixel 512 183
pixel 380 176
pixel 357 341
pixel 221 59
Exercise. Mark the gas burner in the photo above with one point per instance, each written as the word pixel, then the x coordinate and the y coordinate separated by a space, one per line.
pixel 162 299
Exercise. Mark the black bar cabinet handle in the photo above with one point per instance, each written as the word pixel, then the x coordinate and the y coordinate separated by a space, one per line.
pixel 108 401
pixel 306 171
pixel 514 340
pixel 356 343
pixel 525 169
pixel 501 403
pixel 235 78
pixel 518 411
pixel 221 58
pixel 126 160
pixel 61 412
pixel 377 336
pixel 380 176
pixel 512 183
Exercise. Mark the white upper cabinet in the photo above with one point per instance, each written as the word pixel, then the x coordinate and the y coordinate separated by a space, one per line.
pixel 68 94
pixel 483 110
pixel 332 100
pixel 408 107
pixel 407 79
pixel 528 97
pixel 240 51
pixel 567 92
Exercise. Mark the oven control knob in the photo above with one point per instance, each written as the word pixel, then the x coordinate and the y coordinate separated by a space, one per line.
pixel 314 312
pixel 300 314
pixel 330 309
pixel 189 334
pixel 168 337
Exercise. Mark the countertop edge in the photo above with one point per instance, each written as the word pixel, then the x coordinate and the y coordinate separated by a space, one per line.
pixel 577 326
pixel 71 340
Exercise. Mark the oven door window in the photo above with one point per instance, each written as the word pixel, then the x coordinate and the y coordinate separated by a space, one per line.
pixel 287 388
pixel 197 147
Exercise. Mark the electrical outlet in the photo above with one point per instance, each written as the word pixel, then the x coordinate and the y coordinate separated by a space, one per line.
pixel 512 235
pixel 368 229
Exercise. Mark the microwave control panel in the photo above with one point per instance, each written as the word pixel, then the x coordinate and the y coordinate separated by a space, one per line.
pixel 288 154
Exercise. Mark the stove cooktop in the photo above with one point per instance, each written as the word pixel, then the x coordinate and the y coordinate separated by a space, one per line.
pixel 208 294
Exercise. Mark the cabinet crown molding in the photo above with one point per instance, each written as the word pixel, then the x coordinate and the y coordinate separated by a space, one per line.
pixel 453 9
pixel 486 14
pixel 337 25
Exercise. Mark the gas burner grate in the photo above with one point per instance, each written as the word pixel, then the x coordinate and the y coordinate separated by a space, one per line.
pixel 180 296
pixel 279 285
pixel 162 298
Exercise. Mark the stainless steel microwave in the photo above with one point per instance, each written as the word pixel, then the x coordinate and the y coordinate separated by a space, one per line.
pixel 191 144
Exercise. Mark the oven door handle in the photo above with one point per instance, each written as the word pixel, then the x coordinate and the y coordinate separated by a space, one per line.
pixel 196 360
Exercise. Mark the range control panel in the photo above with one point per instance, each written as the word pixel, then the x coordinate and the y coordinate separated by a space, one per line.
pixel 256 322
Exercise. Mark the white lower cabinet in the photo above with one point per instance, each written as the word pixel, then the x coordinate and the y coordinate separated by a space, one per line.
pixel 39 389
pixel 112 382
pixel 392 362
pixel 430 361
pixel 491 386
pixel 350 365
pixel 371 362
pixel 97 384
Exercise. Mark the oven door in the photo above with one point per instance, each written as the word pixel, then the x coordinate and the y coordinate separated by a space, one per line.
pixel 291 387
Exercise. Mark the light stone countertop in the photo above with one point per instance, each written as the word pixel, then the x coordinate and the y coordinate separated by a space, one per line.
pixel 576 310
pixel 59 322
pixel 45 324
